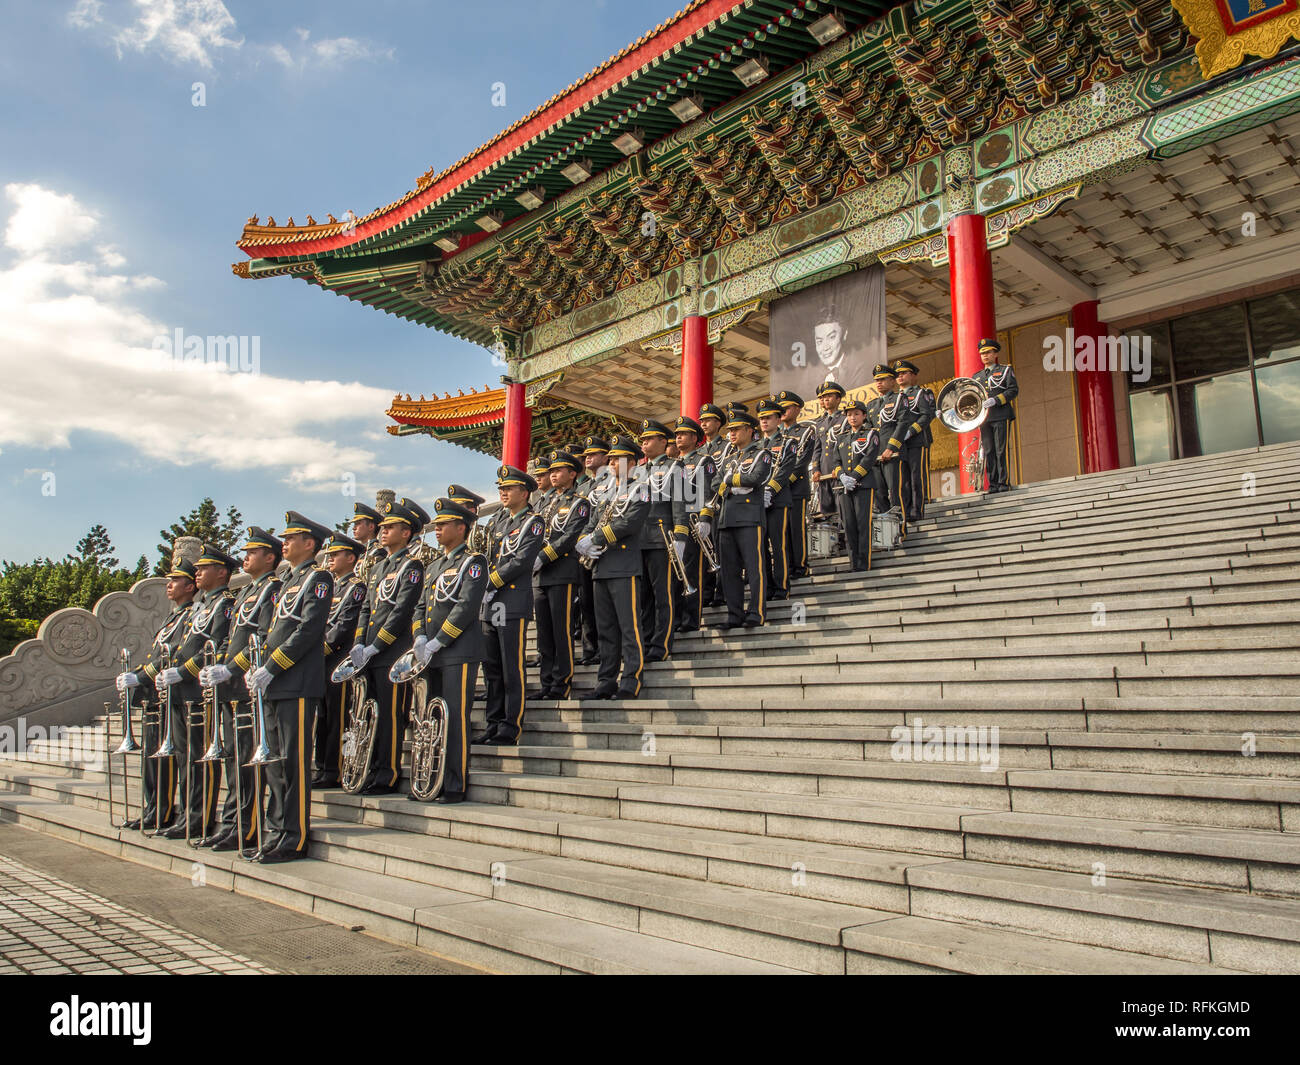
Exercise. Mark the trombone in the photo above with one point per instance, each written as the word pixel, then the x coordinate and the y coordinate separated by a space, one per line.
pixel 211 712
pixel 129 745
pixel 166 749
pixel 706 544
pixel 262 755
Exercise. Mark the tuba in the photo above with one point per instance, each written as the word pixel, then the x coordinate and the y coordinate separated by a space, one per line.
pixel 357 743
pixel 961 404
pixel 428 728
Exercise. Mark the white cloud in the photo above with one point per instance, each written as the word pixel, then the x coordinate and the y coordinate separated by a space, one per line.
pixel 77 357
pixel 328 52
pixel 44 220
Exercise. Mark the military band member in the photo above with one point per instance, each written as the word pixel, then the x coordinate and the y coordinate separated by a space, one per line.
pixel 365 531
pixel 158 805
pixel 341 555
pixel 666 519
pixel 251 614
pixel 613 540
pixel 803 438
pixel 449 637
pixel 558 575
pixel 698 470
pixel 209 620
pixel 715 445
pixel 595 461
pixel 291 682
pixel 830 393
pixel 740 481
pixel 890 413
pixel 1002 388
pixel 384 634
pixel 859 479
pixel 776 497
pixel 515 537
pixel 921 409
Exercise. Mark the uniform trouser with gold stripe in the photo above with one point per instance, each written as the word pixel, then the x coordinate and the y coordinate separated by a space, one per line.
pixel 741 553
pixel 503 676
pixel 288 805
pixel 238 753
pixel 590 633
pixel 993 442
pixel 390 729
pixel 198 781
pixel 855 513
pixel 658 611
pixel 778 552
pixel 892 485
pixel 328 757
pixel 797 536
pixel 618 602
pixel 455 685
pixel 689 605
pixel 554 610
pixel 159 784
pixel 911 477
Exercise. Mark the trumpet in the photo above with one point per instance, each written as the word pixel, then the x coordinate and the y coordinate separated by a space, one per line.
pixel 706 544
pixel 262 755
pixel 675 561
pixel 216 752
pixel 127 746
pixel 167 748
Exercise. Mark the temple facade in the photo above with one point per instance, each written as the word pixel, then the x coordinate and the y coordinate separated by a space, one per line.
pixel 1110 188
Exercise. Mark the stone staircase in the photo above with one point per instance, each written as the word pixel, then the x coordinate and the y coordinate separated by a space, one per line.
pixel 1132 636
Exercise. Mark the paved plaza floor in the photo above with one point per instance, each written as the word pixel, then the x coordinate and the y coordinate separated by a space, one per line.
pixel 67 909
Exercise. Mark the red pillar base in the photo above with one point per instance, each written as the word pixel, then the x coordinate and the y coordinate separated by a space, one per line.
pixel 1098 439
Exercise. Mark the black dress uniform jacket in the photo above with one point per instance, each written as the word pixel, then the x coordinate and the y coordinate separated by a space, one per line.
pixel 250 613
pixel 209 620
pixel 750 468
pixel 619 533
pixel 662 477
pixel 1001 385
pixel 802 439
pixel 515 542
pixel 569 513
pixel 396 585
pixel 449 611
pixel 296 643
pixel 783 451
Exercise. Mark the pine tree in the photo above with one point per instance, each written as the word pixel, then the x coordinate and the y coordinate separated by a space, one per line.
pixel 97 547
pixel 204 521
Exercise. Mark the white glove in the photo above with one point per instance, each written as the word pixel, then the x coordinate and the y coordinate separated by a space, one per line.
pixel 767 498
pixel 211 676
pixel 489 595
pixel 126 680
pixel 990 402
pixel 169 676
pixel 737 490
pixel 706 529
pixel 419 643
pixel 537 562
pixel 258 680
pixel 584 545
pixel 426 650
pixel 848 481
pixel 361 655
pixel 680 547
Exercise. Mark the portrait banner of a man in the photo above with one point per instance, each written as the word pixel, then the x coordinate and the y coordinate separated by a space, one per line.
pixel 834 329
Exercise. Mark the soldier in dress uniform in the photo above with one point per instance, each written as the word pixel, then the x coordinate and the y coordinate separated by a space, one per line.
pixel 291 682
pixel 558 575
pixel 741 480
pixel 714 444
pixel 515 536
pixel 209 620
pixel 776 497
pixel 365 531
pixel 341 555
pixel 830 393
pixel 921 409
pixel 698 470
pixel 158 805
pixel 595 461
pixel 449 637
pixel 612 540
pixel 251 614
pixel 662 476
pixel 859 478
pixel 803 438
pixel 889 414
pixel 384 634
pixel 1002 388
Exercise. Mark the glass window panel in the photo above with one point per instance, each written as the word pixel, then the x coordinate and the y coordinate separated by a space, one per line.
pixel 1153 426
pixel 1217 415
pixel 1279 401
pixel 1160 372
pixel 1275 326
pixel 1209 342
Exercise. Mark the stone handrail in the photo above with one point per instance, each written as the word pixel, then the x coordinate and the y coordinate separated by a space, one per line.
pixel 66 673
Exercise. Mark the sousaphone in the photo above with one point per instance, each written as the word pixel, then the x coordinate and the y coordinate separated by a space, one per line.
pixel 357 743
pixel 428 728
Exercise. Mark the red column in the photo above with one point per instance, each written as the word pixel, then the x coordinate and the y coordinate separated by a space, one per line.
pixel 1098 440
pixel 697 365
pixel 518 429
pixel 970 271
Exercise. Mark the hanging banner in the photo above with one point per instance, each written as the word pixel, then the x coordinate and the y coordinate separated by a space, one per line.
pixel 1230 30
pixel 834 329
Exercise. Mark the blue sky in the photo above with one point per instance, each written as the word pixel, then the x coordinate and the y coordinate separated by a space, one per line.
pixel 120 202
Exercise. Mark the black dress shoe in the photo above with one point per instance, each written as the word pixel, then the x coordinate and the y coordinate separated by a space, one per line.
pixel 451 797
pixel 483 737
pixel 656 654
pixel 688 628
pixel 133 824
pixel 173 832
pixel 625 694
pixel 227 842
pixel 279 854
pixel 752 623
pixel 502 741
pixel 327 780
pixel 378 789
pixel 589 659
pixel 599 693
